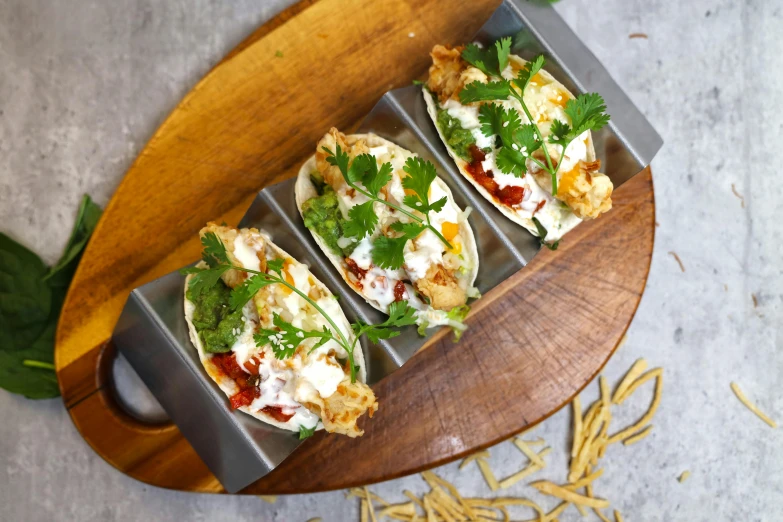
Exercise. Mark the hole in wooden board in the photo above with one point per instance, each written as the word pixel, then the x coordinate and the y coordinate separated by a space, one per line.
pixel 132 395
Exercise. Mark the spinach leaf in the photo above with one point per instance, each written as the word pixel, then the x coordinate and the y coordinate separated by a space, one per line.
pixel 31 297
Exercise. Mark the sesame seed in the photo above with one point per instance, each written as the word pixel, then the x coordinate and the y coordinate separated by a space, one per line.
pixel 411 34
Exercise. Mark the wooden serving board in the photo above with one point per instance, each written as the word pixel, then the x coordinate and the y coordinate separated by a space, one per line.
pixel 533 342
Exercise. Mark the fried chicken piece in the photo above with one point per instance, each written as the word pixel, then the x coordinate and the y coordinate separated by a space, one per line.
pixel 442 289
pixel 449 73
pixel 587 192
pixel 227 235
pixel 340 411
pixel 333 138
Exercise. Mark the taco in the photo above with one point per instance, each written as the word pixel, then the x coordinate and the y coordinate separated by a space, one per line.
pixel 523 194
pixel 359 196
pixel 298 388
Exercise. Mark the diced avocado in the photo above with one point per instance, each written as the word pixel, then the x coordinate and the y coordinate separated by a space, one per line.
pixel 322 215
pixel 214 320
pixel 457 138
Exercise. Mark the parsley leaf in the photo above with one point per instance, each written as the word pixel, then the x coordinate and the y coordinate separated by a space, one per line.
pixel 214 251
pixel 477 91
pixel 490 60
pixel 205 279
pixel 243 293
pixel 339 158
pixel 287 337
pixel 363 221
pixel 528 71
pixel 528 139
pixel 511 161
pixel 275 265
pixel 503 47
pixel 587 112
pixel 400 314
pixel 305 433
pixel 421 174
pixel 559 133
pixel 388 252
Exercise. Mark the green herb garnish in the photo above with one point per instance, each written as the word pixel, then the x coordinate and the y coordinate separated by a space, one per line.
pixel 305 433
pixel 284 338
pixel 519 141
pixel 387 251
pixel 542 232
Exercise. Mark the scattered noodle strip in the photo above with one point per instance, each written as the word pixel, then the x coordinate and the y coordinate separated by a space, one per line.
pixel 636 370
pixel 443 503
pixel 529 453
pixel 647 417
pixel 684 476
pixel 639 436
pixel 549 488
pixel 577 407
pixel 470 458
pixel 268 498
pixel 752 407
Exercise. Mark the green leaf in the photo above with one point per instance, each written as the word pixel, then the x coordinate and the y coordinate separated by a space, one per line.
pixel 86 220
pixel 456 317
pixel 365 169
pixel 560 133
pixel 491 60
pixel 305 433
pixel 497 121
pixel 32 382
pixel 420 176
pixel 25 299
pixel 214 252
pixel 339 159
pixel 387 252
pixel 528 139
pixel 528 71
pixel 542 232
pixel 206 279
pixel 510 161
pixel 503 47
pixel 243 293
pixel 401 314
pixel 287 337
pixel 275 265
pixel 362 221
pixel 477 91
pixel 587 112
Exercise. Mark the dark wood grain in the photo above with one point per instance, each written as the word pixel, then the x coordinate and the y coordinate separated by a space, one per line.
pixel 533 343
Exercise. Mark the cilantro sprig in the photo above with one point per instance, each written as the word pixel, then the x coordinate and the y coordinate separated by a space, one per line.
pixel 285 337
pixel 387 251
pixel 520 141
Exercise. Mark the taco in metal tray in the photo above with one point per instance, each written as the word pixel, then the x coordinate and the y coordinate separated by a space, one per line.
pixel 473 97
pixel 299 385
pixel 390 226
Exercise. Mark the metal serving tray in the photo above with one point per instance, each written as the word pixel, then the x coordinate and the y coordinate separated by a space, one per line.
pixel 152 333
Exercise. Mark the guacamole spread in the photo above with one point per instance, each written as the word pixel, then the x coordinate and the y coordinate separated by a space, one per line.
pixel 214 320
pixel 457 138
pixel 322 215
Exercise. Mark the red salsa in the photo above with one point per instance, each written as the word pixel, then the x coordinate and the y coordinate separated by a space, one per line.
pixel 507 195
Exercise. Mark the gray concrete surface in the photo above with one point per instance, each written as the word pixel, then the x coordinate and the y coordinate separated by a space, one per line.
pixel 83 84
